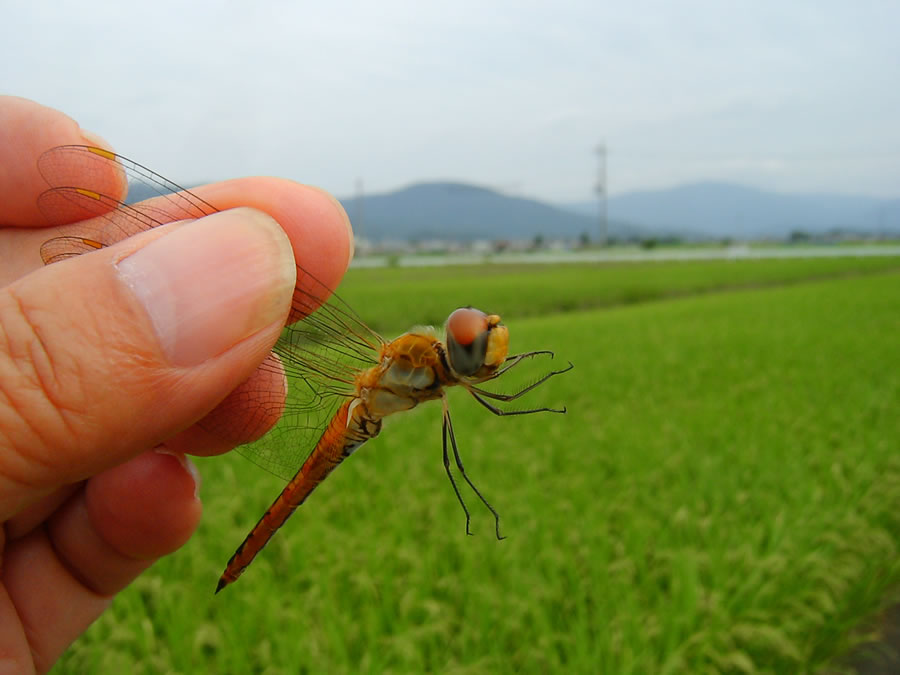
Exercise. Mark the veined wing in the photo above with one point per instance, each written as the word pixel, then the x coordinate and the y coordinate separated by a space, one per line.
pixel 92 184
pixel 320 355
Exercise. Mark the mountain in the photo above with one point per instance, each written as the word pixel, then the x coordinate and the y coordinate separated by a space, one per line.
pixel 724 209
pixel 459 211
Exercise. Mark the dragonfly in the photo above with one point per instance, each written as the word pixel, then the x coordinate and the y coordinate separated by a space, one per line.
pixel 335 379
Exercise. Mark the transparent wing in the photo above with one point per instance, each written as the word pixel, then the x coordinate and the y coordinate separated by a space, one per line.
pixel 90 183
pixel 320 355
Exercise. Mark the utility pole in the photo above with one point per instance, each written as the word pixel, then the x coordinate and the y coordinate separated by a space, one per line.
pixel 359 210
pixel 600 189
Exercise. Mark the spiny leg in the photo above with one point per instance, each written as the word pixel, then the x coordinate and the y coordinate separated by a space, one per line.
pixel 514 396
pixel 450 475
pixel 503 413
pixel 514 359
pixel 448 428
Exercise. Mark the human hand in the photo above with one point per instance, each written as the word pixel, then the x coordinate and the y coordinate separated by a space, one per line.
pixel 111 367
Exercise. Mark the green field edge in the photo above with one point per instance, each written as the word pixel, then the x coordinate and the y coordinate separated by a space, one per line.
pixel 750 286
pixel 524 293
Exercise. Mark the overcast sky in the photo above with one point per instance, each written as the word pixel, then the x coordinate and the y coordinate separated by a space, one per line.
pixel 791 96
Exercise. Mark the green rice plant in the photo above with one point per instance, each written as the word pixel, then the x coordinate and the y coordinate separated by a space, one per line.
pixel 721 497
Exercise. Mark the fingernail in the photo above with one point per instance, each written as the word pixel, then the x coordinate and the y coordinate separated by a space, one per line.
pixel 211 283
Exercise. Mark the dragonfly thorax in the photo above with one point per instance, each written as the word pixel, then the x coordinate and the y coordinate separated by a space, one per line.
pixel 411 370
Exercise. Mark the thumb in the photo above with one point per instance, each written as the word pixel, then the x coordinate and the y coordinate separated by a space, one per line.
pixel 106 355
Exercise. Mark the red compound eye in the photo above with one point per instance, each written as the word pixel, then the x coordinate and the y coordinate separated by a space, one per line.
pixel 467 338
pixel 466 324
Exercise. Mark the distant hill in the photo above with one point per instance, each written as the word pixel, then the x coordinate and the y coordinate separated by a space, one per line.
pixel 724 209
pixel 453 211
pixel 458 211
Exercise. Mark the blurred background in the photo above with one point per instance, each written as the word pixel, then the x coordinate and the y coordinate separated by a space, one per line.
pixel 499 121
pixel 697 203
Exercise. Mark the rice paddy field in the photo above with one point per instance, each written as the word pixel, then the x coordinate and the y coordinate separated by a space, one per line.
pixel 723 495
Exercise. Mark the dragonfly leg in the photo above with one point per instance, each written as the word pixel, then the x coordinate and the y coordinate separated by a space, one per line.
pixel 503 413
pixel 448 431
pixel 450 474
pixel 514 359
pixel 514 396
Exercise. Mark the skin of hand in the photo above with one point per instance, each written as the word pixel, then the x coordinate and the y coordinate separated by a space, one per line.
pixel 113 364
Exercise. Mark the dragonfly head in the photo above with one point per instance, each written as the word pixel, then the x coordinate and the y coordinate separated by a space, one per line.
pixel 477 343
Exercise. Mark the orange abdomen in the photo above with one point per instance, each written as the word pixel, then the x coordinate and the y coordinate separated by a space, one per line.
pixel 336 443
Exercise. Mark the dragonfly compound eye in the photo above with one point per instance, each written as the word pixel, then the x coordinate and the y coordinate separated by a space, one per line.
pixel 467 339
